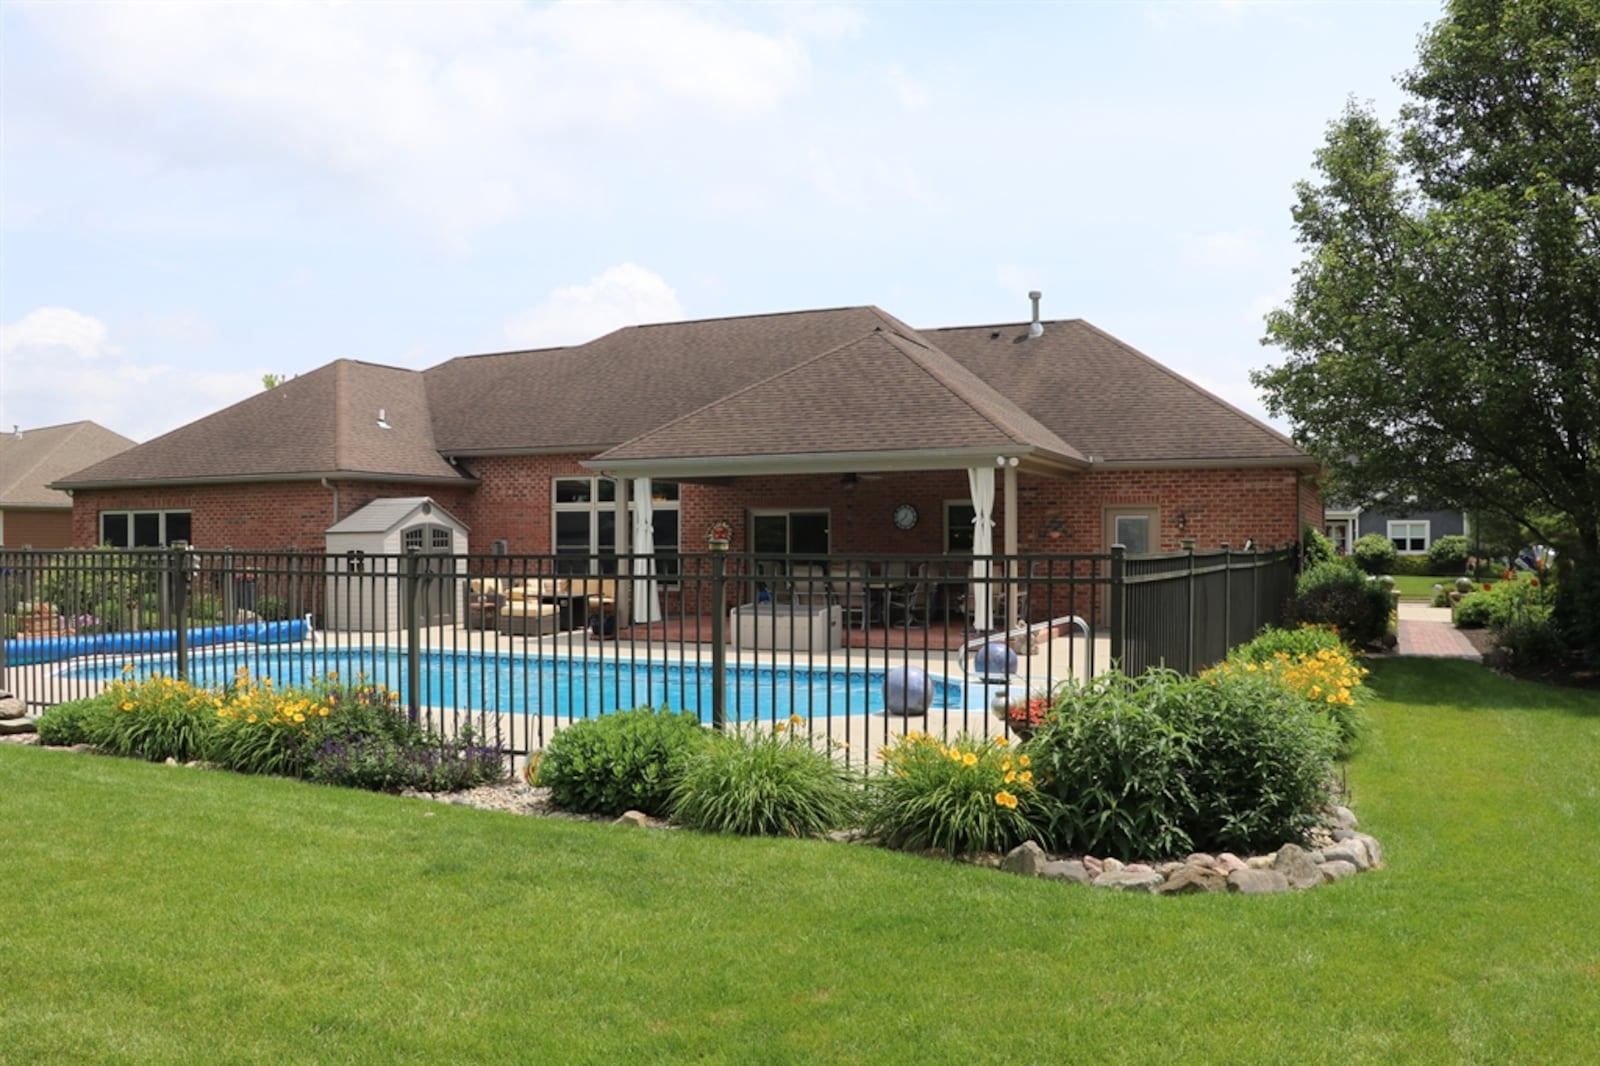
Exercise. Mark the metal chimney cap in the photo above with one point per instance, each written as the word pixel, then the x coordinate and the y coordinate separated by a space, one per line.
pixel 1035 294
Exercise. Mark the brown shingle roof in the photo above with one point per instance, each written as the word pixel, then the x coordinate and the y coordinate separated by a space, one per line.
pixel 321 423
pixel 849 380
pixel 29 465
pixel 880 392
pixel 1110 400
pixel 626 383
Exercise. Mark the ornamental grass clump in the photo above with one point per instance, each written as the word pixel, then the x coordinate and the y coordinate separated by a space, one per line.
pixel 1118 765
pixel 960 798
pixel 157 718
pixel 759 782
pixel 1311 662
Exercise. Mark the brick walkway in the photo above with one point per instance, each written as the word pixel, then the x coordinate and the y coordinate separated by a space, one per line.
pixel 1427 631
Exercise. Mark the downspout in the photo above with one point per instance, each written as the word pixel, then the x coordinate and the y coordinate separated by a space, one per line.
pixel 335 490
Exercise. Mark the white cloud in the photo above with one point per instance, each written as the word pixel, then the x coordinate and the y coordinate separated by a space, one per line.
pixel 59 365
pixel 50 332
pixel 621 296
pixel 457 115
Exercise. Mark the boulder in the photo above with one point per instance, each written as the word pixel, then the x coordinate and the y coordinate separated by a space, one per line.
pixel 1027 859
pixel 634 818
pixel 17 726
pixel 1351 851
pixel 1337 870
pixel 1257 882
pixel 1191 878
pixel 1067 870
pixel 1129 880
pixel 1296 866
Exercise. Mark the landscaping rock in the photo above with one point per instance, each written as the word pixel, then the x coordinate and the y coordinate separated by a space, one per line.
pixel 1129 880
pixel 1191 878
pixel 1257 881
pixel 1027 859
pixel 11 708
pixel 1374 849
pixel 1228 862
pixel 1297 868
pixel 1200 858
pixel 1067 870
pixel 1260 862
pixel 1351 851
pixel 635 818
pixel 1110 866
pixel 1337 870
pixel 1344 818
pixel 15 726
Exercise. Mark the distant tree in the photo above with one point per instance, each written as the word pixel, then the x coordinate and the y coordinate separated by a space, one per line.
pixel 272 381
pixel 1443 336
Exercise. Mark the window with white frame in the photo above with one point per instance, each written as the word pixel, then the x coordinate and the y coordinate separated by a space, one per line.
pixel 143 529
pixel 585 522
pixel 1409 538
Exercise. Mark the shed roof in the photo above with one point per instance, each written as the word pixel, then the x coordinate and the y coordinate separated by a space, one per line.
pixel 387 514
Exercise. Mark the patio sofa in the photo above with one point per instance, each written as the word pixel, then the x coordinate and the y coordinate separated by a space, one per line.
pixel 535 608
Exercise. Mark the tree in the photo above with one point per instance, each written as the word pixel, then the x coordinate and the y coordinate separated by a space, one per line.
pixel 1443 336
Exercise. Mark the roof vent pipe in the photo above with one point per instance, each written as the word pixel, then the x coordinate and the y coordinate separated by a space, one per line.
pixel 1035 328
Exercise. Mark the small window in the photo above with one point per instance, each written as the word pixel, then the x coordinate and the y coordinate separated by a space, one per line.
pixel 441 539
pixel 1135 528
pixel 411 539
pixel 144 529
pixel 958 518
pixel 1409 538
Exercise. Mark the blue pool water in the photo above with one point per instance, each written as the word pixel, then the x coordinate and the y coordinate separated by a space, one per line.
pixel 563 687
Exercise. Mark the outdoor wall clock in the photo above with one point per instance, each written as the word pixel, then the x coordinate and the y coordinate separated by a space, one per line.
pixel 905 516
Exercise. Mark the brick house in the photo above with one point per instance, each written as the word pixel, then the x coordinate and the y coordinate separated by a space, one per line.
pixel 839 430
pixel 32 513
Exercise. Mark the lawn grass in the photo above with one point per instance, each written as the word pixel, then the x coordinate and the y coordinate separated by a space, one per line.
pixel 159 914
pixel 1419 586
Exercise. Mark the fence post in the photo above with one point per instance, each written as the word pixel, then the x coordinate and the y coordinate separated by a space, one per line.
pixel 1188 608
pixel 1118 606
pixel 413 635
pixel 719 645
pixel 178 581
pixel 1227 599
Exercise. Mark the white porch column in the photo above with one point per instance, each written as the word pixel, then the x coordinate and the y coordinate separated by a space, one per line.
pixel 1012 507
pixel 980 603
pixel 619 526
pixel 646 602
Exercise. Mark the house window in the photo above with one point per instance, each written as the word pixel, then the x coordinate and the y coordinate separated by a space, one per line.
pixel 585 523
pixel 790 533
pixel 958 518
pixel 1410 538
pixel 1131 527
pixel 143 529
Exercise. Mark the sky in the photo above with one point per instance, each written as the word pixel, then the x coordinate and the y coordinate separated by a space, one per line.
pixel 195 195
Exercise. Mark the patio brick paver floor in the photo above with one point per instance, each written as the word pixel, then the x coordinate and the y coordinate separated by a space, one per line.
pixel 1427 631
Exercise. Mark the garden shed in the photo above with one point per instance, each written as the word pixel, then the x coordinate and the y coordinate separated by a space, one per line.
pixel 366 589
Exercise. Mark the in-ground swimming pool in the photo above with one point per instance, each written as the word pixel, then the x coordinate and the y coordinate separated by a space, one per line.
pixel 561 687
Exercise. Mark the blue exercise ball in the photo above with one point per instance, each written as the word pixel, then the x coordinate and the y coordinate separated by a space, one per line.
pixel 906 690
pixel 994 660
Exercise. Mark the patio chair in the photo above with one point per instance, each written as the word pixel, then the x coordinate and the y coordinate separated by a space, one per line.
pixel 808 586
pixel 851 594
pixel 485 597
pixel 907 600
pixel 526 614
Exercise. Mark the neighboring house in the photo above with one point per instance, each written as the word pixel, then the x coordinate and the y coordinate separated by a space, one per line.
pixel 839 430
pixel 32 514
pixel 1412 531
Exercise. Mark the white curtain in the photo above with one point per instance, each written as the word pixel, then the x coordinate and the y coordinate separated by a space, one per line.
pixel 646 609
pixel 980 479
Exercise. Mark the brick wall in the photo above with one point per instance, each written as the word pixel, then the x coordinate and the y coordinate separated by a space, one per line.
pixel 260 516
pixel 1065 515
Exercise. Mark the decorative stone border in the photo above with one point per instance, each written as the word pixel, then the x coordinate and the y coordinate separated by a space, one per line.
pixel 1339 851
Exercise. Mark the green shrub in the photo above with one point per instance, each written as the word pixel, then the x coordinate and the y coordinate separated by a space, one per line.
pixel 1374 553
pixel 417 760
pixel 1338 595
pixel 1447 556
pixel 1533 639
pixel 272 608
pixel 1410 565
pixel 1260 764
pixel 764 783
pixel 79 722
pixel 629 760
pixel 1311 662
pixel 961 798
pixel 1500 603
pixel 1302 641
pixel 1118 766
pixel 1441 596
pixel 1577 609
pixel 158 718
pixel 1315 548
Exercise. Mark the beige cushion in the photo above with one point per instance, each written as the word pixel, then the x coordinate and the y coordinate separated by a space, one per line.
pixel 481 585
pixel 527 608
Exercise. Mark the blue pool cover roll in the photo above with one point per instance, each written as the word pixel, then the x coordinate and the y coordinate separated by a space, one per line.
pixel 27 650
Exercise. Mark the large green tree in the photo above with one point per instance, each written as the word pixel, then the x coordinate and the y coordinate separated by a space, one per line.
pixel 1443 337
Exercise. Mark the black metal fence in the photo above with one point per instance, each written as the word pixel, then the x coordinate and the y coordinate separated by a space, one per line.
pixel 514 647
